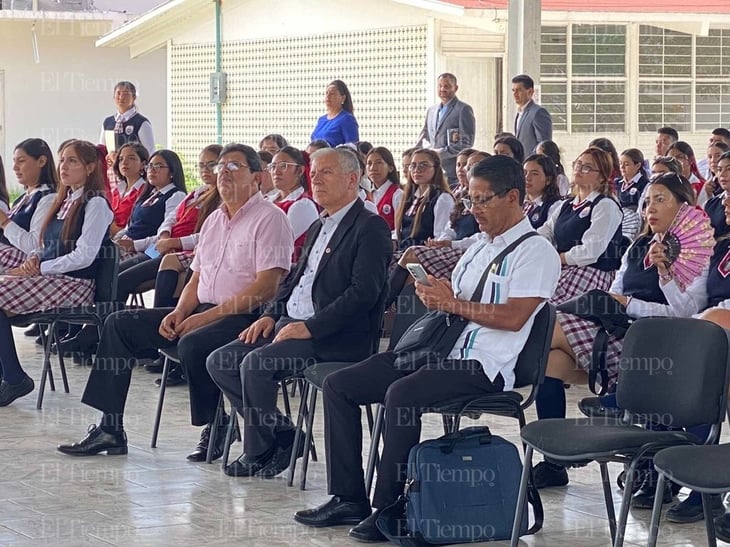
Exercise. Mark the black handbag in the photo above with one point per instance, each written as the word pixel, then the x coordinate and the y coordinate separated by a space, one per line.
pixel 432 337
pixel 602 309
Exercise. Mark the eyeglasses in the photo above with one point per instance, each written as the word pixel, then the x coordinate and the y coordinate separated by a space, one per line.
pixel 231 166
pixel 583 168
pixel 420 166
pixel 156 167
pixel 471 203
pixel 208 166
pixel 284 166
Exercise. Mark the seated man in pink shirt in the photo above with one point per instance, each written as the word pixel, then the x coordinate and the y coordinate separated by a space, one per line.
pixel 244 250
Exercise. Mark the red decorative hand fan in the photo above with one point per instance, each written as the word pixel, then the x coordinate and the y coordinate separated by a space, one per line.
pixel 689 244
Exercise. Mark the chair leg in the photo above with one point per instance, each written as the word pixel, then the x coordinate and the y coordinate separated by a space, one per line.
pixel 46 370
pixel 160 402
pixel 298 433
pixel 61 363
pixel 285 396
pixel 308 442
pixel 219 411
pixel 709 520
pixel 608 499
pixel 373 457
pixel 656 512
pixel 625 504
pixel 230 432
pixel 521 498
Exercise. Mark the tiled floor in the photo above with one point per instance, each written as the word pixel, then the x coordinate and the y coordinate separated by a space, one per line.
pixel 154 497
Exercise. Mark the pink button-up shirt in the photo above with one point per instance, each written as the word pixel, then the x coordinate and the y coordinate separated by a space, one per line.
pixel 231 252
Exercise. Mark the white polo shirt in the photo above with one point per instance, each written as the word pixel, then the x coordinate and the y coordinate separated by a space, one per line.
pixel 530 271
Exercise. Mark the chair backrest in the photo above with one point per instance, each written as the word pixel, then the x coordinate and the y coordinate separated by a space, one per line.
pixel 674 371
pixel 408 308
pixel 107 272
pixel 532 361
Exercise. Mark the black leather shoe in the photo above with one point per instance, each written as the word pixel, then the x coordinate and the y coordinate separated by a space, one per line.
pixel 200 453
pixel 548 474
pixel 722 527
pixel 687 511
pixel 334 513
pixel 95 442
pixel 175 377
pixel 367 531
pixel 33 330
pixel 10 392
pixel 248 466
pixel 280 462
pixel 155 367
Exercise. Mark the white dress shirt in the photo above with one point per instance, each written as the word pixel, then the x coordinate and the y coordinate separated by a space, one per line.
pixel 29 241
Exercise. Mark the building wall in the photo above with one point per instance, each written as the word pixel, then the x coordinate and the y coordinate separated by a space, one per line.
pixel 69 92
pixel 279 59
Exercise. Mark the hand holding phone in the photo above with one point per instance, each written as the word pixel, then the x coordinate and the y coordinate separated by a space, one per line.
pixel 418 273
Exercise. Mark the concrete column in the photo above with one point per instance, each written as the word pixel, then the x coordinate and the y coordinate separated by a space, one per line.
pixel 523 51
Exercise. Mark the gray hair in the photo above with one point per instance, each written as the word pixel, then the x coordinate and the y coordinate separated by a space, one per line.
pixel 346 158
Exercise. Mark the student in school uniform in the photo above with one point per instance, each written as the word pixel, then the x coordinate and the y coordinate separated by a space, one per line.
pixel 715 205
pixel 130 173
pixel 387 191
pixel 62 272
pixel 35 169
pixel 630 189
pixel 157 202
pixel 542 191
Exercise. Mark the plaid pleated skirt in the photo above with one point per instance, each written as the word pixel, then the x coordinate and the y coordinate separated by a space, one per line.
pixel 185 258
pixel 577 280
pixel 438 261
pixel 10 257
pixel 580 334
pixel 44 292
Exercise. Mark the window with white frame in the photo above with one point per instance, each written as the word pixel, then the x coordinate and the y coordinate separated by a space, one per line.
pixel 683 79
pixel 583 76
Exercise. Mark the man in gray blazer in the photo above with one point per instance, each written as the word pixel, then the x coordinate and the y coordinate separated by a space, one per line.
pixel 533 123
pixel 449 127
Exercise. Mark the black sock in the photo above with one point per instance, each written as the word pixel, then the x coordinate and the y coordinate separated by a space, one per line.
pixel 550 402
pixel 112 423
pixel 351 499
pixel 165 286
pixel 12 372
pixel 397 281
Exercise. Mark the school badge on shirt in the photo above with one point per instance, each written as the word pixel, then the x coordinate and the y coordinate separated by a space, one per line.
pixel 129 129
pixel 585 212
pixel 387 209
pixel 724 266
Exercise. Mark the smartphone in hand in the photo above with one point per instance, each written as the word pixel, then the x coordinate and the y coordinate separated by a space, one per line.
pixel 418 273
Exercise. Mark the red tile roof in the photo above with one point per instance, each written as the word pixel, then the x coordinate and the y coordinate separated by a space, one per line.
pixel 642 6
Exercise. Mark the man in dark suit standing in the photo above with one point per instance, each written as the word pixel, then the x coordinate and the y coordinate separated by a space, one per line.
pixel 533 123
pixel 328 310
pixel 449 127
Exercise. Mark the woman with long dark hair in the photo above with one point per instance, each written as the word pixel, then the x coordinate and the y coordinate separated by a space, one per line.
pixel 338 126
pixel 63 271
pixel 157 202
pixel 541 189
pixel 35 170
pixel 130 173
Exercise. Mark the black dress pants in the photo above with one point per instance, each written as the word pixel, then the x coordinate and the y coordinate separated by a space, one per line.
pixel 135 271
pixel 133 334
pixel 404 396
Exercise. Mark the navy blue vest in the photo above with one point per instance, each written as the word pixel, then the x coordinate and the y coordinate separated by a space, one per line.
pixel 54 246
pixel 24 215
pixel 465 226
pixel 716 211
pixel 425 230
pixel 538 215
pixel 629 198
pixel 572 224
pixel 130 131
pixel 718 279
pixel 639 281
pixel 146 219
